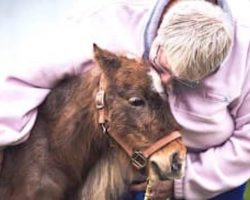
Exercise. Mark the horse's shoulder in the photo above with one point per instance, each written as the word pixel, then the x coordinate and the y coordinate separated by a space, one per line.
pixel 59 95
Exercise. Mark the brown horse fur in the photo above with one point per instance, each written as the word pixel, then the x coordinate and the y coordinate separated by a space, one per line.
pixel 67 143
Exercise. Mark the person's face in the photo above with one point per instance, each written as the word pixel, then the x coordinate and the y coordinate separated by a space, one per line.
pixel 159 61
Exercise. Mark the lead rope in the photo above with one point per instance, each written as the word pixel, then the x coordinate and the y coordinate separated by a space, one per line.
pixel 148 189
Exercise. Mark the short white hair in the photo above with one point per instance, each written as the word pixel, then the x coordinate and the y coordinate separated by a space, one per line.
pixel 196 36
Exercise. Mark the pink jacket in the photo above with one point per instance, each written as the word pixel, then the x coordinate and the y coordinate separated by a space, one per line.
pixel 215 116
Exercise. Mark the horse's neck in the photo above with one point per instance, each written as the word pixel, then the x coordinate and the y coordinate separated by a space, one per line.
pixel 72 122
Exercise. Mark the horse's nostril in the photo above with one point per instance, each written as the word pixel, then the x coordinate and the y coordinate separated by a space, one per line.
pixel 154 166
pixel 176 163
pixel 157 170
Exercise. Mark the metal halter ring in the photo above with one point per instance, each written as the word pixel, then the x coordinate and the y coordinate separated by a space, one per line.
pixel 138 159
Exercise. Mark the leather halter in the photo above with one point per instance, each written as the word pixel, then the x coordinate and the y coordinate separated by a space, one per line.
pixel 139 158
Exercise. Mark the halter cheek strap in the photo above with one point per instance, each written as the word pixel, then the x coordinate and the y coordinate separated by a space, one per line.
pixel 100 101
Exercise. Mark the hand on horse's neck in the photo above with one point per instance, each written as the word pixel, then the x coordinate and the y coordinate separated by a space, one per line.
pixel 172 2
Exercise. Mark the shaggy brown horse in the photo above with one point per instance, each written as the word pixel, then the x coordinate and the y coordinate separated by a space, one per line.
pixel 86 130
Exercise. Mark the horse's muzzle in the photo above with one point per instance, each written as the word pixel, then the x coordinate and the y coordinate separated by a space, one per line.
pixel 168 162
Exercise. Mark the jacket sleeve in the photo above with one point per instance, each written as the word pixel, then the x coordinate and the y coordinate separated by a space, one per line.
pixel 225 167
pixel 33 60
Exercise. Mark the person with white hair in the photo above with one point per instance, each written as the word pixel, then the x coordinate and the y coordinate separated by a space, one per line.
pixel 201 50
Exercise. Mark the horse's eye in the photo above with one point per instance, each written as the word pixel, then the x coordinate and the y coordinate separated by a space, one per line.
pixel 136 101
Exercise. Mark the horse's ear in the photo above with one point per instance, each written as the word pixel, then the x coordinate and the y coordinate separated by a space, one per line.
pixel 108 62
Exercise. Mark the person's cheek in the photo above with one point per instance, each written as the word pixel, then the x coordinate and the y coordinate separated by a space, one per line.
pixel 165 78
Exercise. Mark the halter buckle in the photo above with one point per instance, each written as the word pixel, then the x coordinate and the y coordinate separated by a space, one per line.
pixel 138 159
pixel 99 99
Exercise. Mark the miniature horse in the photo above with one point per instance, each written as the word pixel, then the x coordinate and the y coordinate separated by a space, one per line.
pixel 72 152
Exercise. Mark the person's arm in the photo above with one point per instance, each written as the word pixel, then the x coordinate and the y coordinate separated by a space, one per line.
pixel 21 92
pixel 225 167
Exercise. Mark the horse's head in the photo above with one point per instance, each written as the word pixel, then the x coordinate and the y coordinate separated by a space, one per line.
pixel 134 109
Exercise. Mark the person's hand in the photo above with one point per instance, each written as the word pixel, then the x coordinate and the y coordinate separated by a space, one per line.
pixel 161 190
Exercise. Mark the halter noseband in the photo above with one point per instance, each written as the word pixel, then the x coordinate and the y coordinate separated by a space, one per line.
pixel 139 158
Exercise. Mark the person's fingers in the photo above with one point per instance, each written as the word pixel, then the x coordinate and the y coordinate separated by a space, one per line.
pixel 162 186
pixel 162 190
pixel 138 187
pixel 159 195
